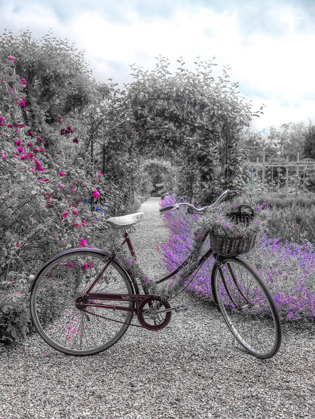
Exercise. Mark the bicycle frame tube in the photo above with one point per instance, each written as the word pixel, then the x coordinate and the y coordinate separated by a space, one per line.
pixel 137 298
pixel 130 246
pixel 185 263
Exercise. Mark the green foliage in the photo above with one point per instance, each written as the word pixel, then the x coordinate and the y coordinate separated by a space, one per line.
pixel 295 224
pixel 292 218
pixel 38 208
pixel 201 119
pixel 280 200
pixel 309 147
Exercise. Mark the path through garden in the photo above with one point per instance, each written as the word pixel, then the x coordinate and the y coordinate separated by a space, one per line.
pixel 191 369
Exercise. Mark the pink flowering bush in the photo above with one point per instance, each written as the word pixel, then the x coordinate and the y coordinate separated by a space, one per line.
pixel 38 217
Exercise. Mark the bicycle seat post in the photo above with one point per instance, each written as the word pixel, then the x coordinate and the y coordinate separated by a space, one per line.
pixel 128 241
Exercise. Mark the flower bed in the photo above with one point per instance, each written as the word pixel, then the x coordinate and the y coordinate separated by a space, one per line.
pixel 287 268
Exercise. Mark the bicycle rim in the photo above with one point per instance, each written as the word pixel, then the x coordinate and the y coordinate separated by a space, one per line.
pixel 56 317
pixel 248 308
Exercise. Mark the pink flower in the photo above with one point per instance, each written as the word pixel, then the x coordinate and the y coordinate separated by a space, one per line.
pixel 35 150
pixel 17 142
pixel 18 245
pixel 63 132
pixel 75 140
pixel 20 149
pixel 1 121
pixel 83 242
pixel 30 134
pixel 75 212
pixel 101 174
pixel 147 280
pixel 62 173
pixel 46 180
pixel 39 139
pixel 12 58
pixel 22 103
pixel 4 155
pixel 23 81
pixel 69 129
pixel 83 223
pixel 41 149
pixel 10 125
pixel 61 185
pixel 96 193
pixel 65 214
pixel 29 145
pixel 39 166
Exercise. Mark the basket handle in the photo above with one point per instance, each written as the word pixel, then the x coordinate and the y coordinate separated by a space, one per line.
pixel 246 210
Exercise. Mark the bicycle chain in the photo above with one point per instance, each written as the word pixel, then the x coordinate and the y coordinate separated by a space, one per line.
pixel 107 318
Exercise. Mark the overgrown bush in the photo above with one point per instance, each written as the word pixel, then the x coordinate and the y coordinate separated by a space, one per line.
pixel 45 188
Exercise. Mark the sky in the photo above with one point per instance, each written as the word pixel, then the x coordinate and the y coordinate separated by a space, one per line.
pixel 269 45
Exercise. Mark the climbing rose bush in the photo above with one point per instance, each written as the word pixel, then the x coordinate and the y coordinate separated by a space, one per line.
pixel 43 204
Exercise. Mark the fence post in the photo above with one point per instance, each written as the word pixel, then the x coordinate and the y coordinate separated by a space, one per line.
pixel 263 171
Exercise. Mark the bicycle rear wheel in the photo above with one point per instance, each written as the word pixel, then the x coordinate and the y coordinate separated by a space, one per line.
pixel 247 308
pixel 57 317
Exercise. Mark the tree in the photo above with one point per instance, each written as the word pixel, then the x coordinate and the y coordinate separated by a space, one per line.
pixel 309 146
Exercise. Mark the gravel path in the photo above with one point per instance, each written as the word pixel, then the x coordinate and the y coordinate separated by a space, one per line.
pixel 191 369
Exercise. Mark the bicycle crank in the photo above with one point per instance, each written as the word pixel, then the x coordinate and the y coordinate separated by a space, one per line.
pixel 176 309
pixel 150 316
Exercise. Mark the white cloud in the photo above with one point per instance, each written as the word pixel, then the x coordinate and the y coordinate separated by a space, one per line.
pixel 272 68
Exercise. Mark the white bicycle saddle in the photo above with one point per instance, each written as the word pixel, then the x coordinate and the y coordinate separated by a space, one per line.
pixel 125 220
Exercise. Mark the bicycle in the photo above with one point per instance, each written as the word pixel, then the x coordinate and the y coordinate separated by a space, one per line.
pixel 83 300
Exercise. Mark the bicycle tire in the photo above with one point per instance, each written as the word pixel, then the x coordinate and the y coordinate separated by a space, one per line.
pixel 58 320
pixel 251 316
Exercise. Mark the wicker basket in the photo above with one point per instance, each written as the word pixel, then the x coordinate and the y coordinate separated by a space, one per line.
pixel 225 245
pixel 231 246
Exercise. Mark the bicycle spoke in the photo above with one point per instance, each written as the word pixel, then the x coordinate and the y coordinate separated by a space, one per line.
pixel 248 308
pixel 61 323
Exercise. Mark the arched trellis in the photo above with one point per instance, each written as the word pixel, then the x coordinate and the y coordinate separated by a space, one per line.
pixel 160 173
pixel 302 167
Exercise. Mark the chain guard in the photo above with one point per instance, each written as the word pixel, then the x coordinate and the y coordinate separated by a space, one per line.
pixel 159 320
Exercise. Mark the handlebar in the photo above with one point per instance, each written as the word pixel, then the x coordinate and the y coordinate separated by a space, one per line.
pixel 191 209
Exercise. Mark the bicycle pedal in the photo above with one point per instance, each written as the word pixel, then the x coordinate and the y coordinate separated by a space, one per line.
pixel 180 308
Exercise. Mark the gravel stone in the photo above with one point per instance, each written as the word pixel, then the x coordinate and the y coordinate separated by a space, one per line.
pixel 191 369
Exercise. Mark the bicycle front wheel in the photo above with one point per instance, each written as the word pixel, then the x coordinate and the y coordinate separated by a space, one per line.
pixel 55 311
pixel 247 307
